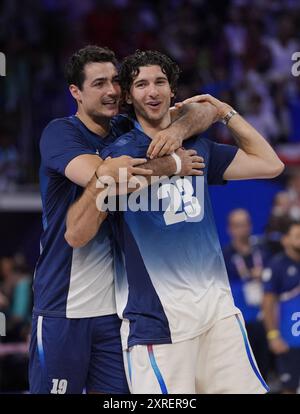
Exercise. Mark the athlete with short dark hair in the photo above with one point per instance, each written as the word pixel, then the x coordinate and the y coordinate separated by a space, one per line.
pixel 75 341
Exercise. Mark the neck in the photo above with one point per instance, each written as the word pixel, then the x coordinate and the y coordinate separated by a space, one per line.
pixel 151 128
pixel 99 126
pixel 242 245
pixel 292 254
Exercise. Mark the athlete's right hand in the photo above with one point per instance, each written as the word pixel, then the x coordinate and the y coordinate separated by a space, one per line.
pixel 278 346
pixel 111 168
pixel 191 163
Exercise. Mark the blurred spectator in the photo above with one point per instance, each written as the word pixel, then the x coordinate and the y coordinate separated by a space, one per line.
pixel 286 207
pixel 293 106
pixel 282 46
pixel 244 260
pixel 262 118
pixel 237 50
pixel 281 308
pixel 278 220
pixel 15 287
pixel 7 281
pixel 8 161
pixel 293 189
pixel 104 25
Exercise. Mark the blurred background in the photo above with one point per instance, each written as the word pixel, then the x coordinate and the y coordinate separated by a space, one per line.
pixel 237 50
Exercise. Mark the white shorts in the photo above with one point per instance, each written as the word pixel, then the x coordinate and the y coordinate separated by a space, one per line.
pixel 219 361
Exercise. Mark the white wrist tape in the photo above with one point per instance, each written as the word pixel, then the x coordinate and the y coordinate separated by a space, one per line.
pixel 178 163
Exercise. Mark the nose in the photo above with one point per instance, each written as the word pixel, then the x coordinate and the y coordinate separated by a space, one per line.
pixel 113 89
pixel 152 91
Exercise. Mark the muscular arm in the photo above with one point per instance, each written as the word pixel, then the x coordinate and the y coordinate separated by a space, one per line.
pixel 191 119
pixel 84 218
pixel 187 120
pixel 84 214
pixel 191 164
pixel 81 171
pixel 270 312
pixel 270 309
pixel 255 157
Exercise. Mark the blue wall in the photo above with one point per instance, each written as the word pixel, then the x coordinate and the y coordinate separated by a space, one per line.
pixel 254 195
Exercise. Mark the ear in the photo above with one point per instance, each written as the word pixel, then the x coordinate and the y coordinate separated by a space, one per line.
pixel 172 94
pixel 128 98
pixel 284 240
pixel 75 92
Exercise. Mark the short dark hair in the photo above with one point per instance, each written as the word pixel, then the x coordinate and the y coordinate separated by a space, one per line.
pixel 74 69
pixel 288 225
pixel 131 64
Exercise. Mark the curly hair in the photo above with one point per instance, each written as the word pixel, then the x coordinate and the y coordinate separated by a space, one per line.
pixel 131 64
pixel 74 69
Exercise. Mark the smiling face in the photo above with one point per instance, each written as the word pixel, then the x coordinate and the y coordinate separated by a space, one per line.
pixel 150 94
pixel 100 93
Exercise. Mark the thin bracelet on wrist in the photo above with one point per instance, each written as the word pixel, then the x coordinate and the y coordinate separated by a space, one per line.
pixel 228 116
pixel 273 334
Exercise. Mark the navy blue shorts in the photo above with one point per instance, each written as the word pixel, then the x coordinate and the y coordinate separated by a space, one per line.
pixel 288 365
pixel 70 355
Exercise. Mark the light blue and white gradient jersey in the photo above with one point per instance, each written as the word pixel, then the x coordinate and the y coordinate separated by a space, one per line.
pixel 175 286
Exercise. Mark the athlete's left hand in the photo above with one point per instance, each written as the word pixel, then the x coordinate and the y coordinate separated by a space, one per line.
pixel 164 143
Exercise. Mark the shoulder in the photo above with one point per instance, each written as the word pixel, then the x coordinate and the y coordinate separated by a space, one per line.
pixel 279 260
pixel 274 269
pixel 60 131
pixel 58 126
pixel 59 123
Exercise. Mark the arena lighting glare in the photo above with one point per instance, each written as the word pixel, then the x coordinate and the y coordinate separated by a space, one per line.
pixel 2 324
pixel 2 64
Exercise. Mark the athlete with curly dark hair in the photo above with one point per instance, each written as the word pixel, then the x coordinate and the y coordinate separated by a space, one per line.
pixel 181 332
pixel 131 68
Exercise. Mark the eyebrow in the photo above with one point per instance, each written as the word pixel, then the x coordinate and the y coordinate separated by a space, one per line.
pixel 146 80
pixel 104 79
pixel 99 79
